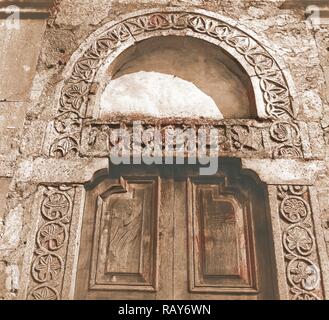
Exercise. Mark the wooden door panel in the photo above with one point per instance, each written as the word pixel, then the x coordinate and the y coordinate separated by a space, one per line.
pixel 125 237
pixel 221 254
pixel 222 244
pixel 124 253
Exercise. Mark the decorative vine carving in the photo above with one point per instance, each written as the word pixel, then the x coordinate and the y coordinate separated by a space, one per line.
pixel 246 137
pixel 241 138
pixel 51 242
pixel 288 135
pixel 301 257
pixel 74 95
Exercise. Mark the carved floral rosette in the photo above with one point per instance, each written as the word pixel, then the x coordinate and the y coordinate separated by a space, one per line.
pixel 74 94
pixel 299 245
pixel 47 269
pixel 235 138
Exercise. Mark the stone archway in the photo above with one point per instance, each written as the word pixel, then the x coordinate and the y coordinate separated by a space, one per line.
pixel 271 87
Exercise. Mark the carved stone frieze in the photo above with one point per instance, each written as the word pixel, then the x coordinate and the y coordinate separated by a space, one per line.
pixel 235 138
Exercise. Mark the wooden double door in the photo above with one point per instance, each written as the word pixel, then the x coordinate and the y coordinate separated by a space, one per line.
pixel 167 233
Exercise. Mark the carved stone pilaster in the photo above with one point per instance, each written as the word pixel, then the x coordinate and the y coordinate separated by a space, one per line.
pixel 53 258
pixel 301 256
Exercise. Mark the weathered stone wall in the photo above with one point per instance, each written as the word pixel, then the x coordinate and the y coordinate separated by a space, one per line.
pixel 19 53
pixel 32 61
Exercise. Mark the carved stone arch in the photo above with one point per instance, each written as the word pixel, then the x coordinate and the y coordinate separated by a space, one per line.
pixel 270 84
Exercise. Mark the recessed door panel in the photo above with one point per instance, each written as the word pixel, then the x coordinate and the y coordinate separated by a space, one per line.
pixel 126 237
pixel 124 253
pixel 220 246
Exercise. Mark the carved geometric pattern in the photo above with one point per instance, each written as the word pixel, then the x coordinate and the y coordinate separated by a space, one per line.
pixel 74 94
pixel 240 138
pixel 300 252
pixel 48 264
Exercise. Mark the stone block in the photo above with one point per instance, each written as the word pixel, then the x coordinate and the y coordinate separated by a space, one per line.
pixel 19 53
